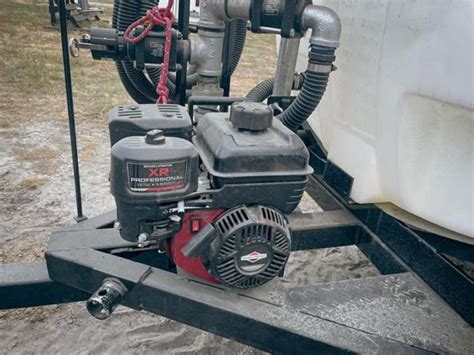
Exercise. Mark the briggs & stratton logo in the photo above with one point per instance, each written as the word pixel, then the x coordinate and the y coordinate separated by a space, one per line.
pixel 253 257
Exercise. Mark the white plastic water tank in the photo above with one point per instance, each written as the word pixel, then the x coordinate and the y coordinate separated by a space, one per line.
pixel 398 112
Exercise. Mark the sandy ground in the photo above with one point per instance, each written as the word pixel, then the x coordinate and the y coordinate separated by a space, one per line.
pixel 37 195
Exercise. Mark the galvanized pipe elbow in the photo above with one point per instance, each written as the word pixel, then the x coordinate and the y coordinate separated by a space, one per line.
pixel 324 24
pixel 212 14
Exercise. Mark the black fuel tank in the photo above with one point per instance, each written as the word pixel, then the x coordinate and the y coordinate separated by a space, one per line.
pixel 250 146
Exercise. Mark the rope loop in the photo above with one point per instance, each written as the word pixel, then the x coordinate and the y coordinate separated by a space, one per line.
pixel 163 17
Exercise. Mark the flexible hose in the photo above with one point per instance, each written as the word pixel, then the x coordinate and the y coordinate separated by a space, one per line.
pixel 314 86
pixel 240 35
pixel 264 89
pixel 127 83
pixel 128 12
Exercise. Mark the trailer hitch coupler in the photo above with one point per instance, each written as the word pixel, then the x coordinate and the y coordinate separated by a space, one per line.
pixel 104 301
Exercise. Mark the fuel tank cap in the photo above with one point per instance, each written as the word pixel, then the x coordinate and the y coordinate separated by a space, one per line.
pixel 253 116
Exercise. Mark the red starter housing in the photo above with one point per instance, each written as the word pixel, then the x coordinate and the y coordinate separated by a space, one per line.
pixel 192 224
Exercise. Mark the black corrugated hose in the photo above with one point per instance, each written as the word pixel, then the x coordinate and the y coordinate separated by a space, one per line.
pixel 263 90
pixel 239 44
pixel 314 86
pixel 132 91
pixel 128 12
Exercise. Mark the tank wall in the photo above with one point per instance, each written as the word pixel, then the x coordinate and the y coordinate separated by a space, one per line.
pixel 398 113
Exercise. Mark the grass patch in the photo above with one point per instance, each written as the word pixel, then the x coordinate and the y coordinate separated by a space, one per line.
pixel 34 182
pixel 6 123
pixel 88 148
pixel 258 62
pixel 35 154
pixel 31 74
pixel 42 160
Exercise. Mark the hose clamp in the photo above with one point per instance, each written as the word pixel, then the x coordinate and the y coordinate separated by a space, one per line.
pixel 320 68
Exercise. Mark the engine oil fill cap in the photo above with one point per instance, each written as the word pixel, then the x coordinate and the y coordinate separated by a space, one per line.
pixel 155 136
pixel 253 116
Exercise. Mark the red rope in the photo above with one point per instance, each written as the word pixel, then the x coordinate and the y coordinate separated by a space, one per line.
pixel 156 17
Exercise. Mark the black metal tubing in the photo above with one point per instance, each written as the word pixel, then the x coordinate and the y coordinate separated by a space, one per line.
pixel 236 316
pixel 28 285
pixel 447 246
pixel 183 27
pixel 337 234
pixel 323 230
pixel 70 107
pixel 81 256
pixel 455 287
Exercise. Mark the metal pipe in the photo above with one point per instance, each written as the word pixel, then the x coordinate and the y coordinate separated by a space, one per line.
pixel 324 24
pixel 106 299
pixel 207 49
pixel 70 108
pixel 286 65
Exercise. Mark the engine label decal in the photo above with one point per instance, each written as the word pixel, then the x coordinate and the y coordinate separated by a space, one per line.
pixel 253 257
pixel 156 176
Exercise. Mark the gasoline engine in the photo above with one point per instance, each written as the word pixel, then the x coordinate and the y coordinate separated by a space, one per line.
pixel 217 201
pixel 213 191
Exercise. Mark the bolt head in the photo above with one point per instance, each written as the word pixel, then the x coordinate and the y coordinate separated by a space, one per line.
pixel 142 238
pixel 175 218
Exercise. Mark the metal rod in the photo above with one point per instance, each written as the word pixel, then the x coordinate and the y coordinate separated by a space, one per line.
pixel 286 66
pixel 183 27
pixel 70 108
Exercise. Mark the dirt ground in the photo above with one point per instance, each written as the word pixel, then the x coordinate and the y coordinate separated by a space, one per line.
pixel 37 194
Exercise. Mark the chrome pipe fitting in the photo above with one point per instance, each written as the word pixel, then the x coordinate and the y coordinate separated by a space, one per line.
pixel 324 24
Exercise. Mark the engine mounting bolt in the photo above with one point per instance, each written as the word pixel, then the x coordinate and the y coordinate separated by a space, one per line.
pixel 175 218
pixel 142 238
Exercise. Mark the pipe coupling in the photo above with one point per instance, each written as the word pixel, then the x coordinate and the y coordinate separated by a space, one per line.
pixel 104 301
pixel 325 25
pixel 206 52
pixel 212 14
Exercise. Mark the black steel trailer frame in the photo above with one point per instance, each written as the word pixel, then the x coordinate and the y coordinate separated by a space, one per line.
pixel 421 302
pixel 393 312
